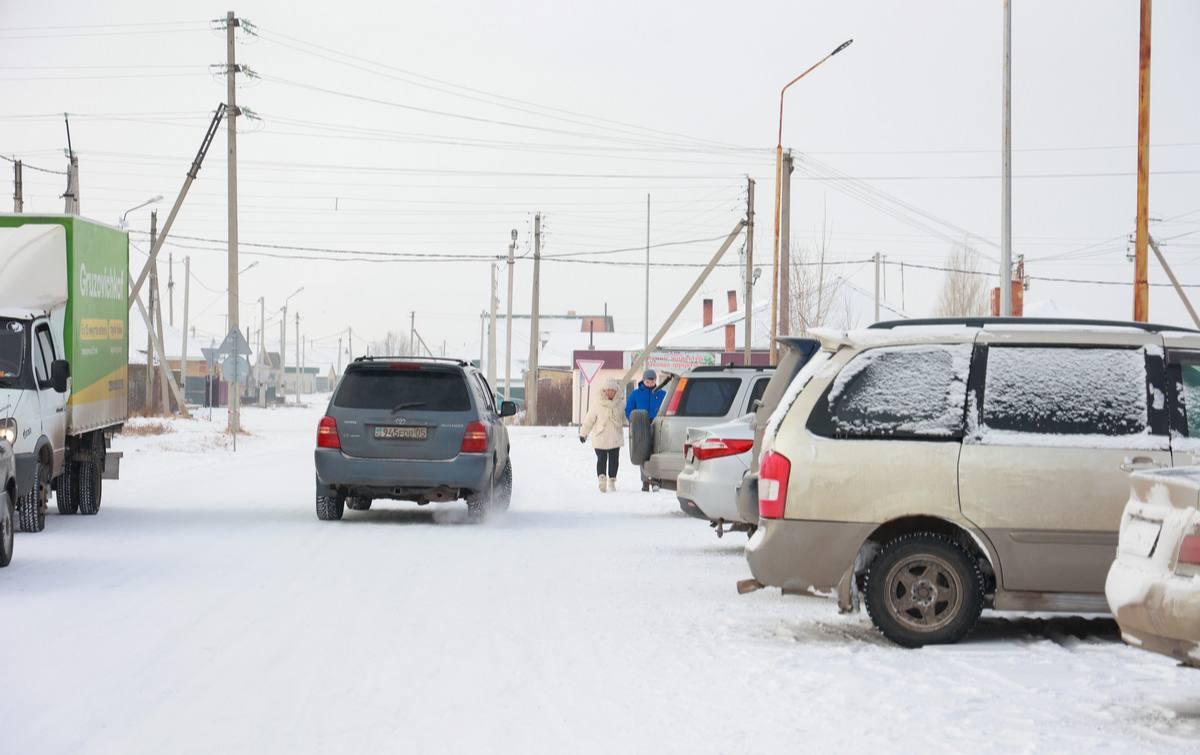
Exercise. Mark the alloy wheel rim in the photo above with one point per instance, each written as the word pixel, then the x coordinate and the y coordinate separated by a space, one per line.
pixel 924 593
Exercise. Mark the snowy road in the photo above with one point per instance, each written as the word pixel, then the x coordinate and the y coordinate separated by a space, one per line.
pixel 207 610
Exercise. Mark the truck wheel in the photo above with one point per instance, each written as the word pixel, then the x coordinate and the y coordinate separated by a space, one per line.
pixel 329 507
pixel 31 508
pixel 924 589
pixel 358 503
pixel 7 523
pixel 67 494
pixel 641 437
pixel 87 489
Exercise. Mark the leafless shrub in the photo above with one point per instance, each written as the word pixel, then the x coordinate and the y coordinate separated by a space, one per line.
pixel 964 289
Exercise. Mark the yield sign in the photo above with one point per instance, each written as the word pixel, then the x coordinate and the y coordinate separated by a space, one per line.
pixel 589 368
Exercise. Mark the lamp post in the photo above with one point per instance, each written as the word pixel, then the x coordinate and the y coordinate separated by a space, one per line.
pixel 778 180
pixel 283 342
pixel 153 200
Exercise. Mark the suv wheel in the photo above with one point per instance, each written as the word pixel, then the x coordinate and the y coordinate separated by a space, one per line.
pixel 31 508
pixel 329 507
pixel 7 524
pixel 924 589
pixel 641 437
pixel 357 503
pixel 494 501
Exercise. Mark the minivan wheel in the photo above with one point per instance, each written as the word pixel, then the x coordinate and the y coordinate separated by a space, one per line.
pixel 924 589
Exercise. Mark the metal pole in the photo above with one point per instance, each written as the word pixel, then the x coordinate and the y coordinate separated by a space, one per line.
pixel 1187 303
pixel 18 188
pixel 876 286
pixel 512 247
pixel 646 330
pixel 231 112
pixel 1141 285
pixel 164 374
pixel 283 354
pixel 297 383
pixel 749 314
pixel 784 243
pixel 187 279
pixel 412 331
pixel 531 371
pixel 687 297
pixel 262 350
pixel 170 289
pixel 495 304
pixel 149 382
pixel 339 359
pixel 1006 171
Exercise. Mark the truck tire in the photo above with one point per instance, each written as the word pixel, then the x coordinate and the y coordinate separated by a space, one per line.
pixel 329 507
pixel 496 501
pixel 358 503
pixel 641 437
pixel 31 508
pixel 66 494
pixel 924 589
pixel 87 488
pixel 8 523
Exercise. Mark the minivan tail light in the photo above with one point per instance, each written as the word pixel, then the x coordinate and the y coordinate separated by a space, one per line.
pixel 676 397
pixel 715 448
pixel 773 473
pixel 327 433
pixel 475 439
pixel 1189 550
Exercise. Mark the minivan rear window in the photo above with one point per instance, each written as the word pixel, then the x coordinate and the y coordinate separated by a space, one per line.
pixel 707 397
pixel 389 389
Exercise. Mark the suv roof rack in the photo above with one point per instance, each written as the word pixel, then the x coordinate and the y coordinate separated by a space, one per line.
pixel 979 322
pixel 723 367
pixel 446 360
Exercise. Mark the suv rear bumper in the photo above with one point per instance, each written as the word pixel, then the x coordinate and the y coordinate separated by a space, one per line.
pixel 664 468
pixel 471 472
pixel 801 555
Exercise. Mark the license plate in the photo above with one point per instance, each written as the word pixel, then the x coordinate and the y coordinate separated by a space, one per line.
pixel 1140 537
pixel 389 432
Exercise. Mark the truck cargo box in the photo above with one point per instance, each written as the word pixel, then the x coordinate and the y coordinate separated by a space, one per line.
pixel 93 301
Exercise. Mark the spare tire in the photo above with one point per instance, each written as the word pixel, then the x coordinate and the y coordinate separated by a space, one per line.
pixel 641 437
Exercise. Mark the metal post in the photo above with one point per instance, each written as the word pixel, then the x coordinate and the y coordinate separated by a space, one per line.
pixel 149 381
pixel 785 252
pixel 164 369
pixel 1006 172
pixel 1141 285
pixel 262 350
pixel 749 313
pixel 170 289
pixel 531 370
pixel 494 305
pixel 187 279
pixel 512 247
pixel 283 354
pixel 876 286
pixel 231 112
pixel 1187 303
pixel 18 188
pixel 412 332
pixel 339 359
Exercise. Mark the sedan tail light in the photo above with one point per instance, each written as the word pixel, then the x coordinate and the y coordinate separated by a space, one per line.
pixel 773 473
pixel 1189 550
pixel 327 433
pixel 715 448
pixel 475 439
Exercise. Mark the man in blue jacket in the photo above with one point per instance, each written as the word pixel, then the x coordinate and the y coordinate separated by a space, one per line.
pixel 649 397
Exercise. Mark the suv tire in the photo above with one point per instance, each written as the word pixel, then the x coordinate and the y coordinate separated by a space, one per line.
pixel 924 589
pixel 329 507
pixel 495 501
pixel 31 508
pixel 357 503
pixel 641 437
pixel 8 522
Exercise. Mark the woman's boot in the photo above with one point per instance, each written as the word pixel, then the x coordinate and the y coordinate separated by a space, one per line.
pixel 603 483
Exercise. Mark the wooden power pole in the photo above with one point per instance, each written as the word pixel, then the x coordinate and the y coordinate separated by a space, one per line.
pixel 785 251
pixel 1141 285
pixel 231 113
pixel 749 314
pixel 531 370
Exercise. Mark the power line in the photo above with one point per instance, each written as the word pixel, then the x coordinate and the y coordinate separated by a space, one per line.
pixel 25 165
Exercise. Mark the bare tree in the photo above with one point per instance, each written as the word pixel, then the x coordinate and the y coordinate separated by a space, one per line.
pixel 965 287
pixel 817 298
pixel 393 344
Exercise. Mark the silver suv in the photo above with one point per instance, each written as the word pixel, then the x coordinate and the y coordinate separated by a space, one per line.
pixel 702 397
pixel 937 468
pixel 412 429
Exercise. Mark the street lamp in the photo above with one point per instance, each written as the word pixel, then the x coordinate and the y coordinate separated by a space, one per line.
pixel 778 197
pixel 283 347
pixel 152 200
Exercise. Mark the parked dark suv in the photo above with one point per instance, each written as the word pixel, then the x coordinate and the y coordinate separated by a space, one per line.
pixel 412 429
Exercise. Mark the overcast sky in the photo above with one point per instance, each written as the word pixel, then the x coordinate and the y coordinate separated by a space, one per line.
pixel 606 102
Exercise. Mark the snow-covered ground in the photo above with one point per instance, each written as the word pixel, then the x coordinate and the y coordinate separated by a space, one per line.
pixel 207 610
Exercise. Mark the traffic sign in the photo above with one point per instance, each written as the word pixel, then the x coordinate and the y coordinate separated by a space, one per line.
pixel 235 368
pixel 589 368
pixel 234 343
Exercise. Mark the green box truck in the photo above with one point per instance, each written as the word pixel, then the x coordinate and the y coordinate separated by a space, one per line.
pixel 64 358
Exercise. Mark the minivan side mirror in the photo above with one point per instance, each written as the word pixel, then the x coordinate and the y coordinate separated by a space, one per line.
pixel 508 409
pixel 60 372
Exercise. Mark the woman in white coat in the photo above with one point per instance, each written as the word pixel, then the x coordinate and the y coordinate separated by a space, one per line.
pixel 605 423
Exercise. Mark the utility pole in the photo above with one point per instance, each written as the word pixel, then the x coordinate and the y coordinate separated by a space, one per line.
pixel 170 288
pixel 150 323
pixel 412 333
pixel 785 254
pixel 283 353
pixel 903 306
pixel 876 258
pixel 164 367
pixel 883 275
pixel 646 331
pixel 18 188
pixel 494 304
pixel 183 364
pixel 231 113
pixel 350 353
pixel 262 350
pixel 749 314
pixel 1141 285
pixel 1006 173
pixel 531 370
pixel 339 359
pixel 297 383
pixel 512 248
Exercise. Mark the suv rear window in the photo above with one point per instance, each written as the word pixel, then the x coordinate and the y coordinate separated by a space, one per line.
pixel 420 390
pixel 707 397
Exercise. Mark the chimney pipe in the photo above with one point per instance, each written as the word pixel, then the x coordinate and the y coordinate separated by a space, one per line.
pixel 707 318
pixel 731 329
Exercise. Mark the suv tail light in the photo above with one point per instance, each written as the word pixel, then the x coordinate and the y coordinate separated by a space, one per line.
pixel 773 472
pixel 676 396
pixel 715 448
pixel 327 434
pixel 1189 550
pixel 475 439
